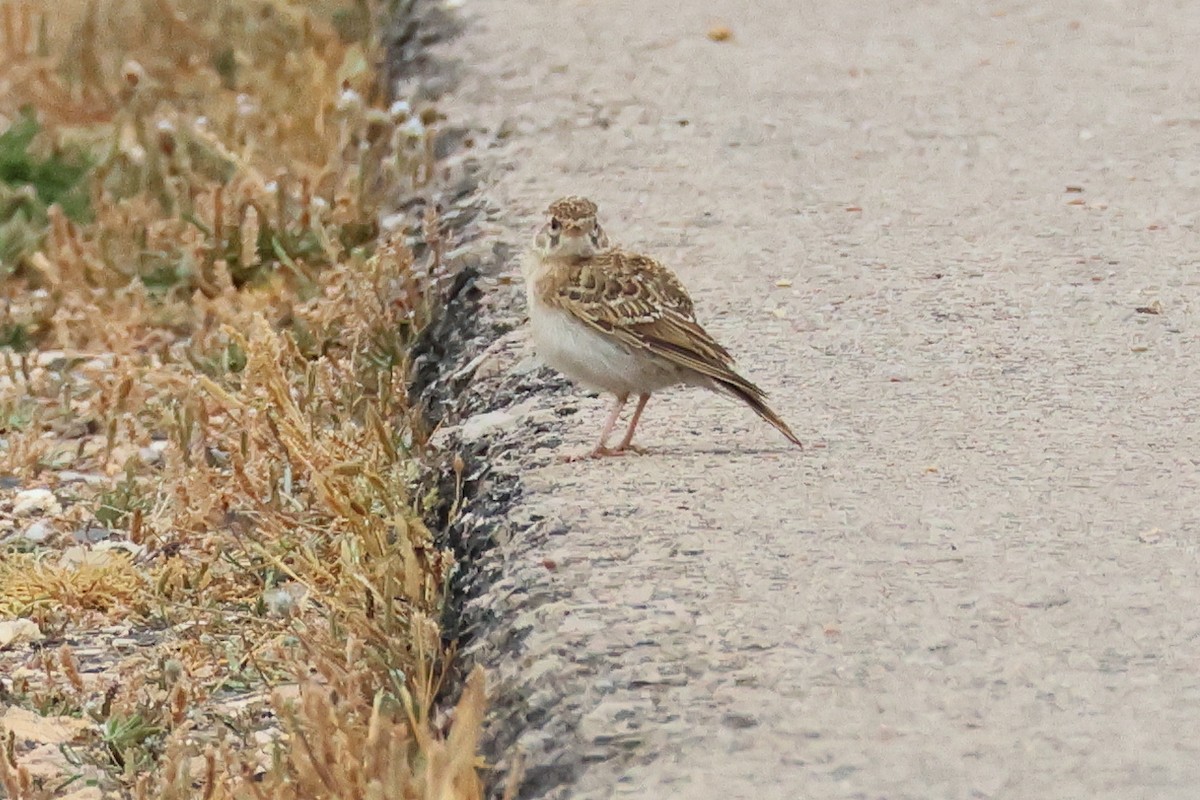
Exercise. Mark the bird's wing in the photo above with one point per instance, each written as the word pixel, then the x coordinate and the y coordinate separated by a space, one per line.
pixel 641 303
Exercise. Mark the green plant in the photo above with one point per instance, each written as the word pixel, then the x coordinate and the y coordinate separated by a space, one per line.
pixel 30 183
pixel 129 741
pixel 117 505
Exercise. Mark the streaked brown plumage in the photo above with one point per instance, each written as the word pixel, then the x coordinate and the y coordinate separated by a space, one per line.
pixel 621 322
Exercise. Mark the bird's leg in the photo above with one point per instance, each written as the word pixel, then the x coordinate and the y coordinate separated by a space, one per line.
pixel 627 442
pixel 601 449
pixel 609 424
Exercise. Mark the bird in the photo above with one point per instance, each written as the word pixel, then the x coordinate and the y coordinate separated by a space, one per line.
pixel 620 322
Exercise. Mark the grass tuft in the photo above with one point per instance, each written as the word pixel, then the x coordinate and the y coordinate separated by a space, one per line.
pixel 214 482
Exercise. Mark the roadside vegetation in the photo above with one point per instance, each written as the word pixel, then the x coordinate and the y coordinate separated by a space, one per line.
pixel 216 579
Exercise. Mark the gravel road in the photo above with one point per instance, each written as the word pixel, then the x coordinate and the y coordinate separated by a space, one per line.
pixel 956 242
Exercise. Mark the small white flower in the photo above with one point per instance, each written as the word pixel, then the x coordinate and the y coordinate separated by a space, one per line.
pixel 349 100
pixel 413 128
pixel 133 73
pixel 400 110
pixel 246 105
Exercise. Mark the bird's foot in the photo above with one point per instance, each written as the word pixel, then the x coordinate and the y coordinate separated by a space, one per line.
pixel 600 451
pixel 626 447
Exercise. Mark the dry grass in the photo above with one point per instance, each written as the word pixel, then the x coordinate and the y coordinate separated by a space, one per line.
pixel 206 364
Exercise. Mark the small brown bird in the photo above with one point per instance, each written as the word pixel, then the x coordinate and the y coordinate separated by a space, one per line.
pixel 621 323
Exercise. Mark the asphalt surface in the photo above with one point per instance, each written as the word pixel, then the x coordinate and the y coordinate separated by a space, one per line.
pixel 957 244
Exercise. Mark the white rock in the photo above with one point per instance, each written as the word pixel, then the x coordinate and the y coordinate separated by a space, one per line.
pixel 481 425
pixel 98 364
pixel 47 358
pixel 18 631
pixel 35 501
pixel 101 554
pixel 72 476
pixel 37 532
pixel 393 222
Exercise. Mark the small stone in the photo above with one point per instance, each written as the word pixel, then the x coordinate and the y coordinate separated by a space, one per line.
pixel 37 533
pixel 53 359
pixel 89 478
pixel 152 454
pixel 482 425
pixel 739 721
pixel 102 554
pixel 18 631
pixel 394 223
pixel 91 535
pixel 35 501
pixel 72 556
pixel 526 366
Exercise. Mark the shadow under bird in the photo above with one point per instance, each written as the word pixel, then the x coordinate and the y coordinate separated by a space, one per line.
pixel 621 323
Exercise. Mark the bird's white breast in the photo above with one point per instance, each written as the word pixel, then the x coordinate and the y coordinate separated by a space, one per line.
pixel 592 358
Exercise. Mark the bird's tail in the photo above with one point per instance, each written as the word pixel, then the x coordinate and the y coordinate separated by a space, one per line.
pixel 737 386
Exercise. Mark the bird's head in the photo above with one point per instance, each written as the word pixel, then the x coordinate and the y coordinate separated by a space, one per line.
pixel 572 230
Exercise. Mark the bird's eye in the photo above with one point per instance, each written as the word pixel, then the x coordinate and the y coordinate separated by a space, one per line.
pixel 555 225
